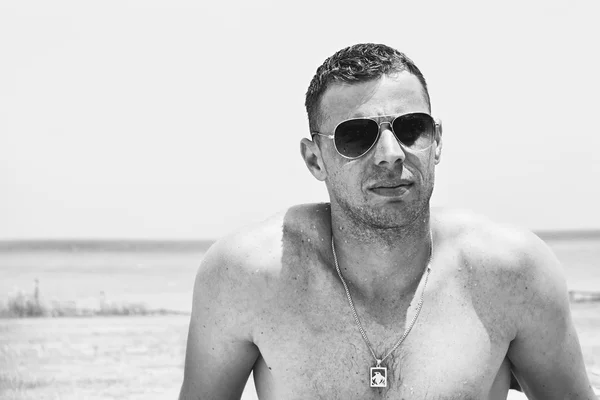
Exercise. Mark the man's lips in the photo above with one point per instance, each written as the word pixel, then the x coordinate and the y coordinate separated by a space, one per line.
pixel 391 189
pixel 390 185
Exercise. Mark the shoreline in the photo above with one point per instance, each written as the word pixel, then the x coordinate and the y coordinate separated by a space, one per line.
pixel 29 308
pixel 584 296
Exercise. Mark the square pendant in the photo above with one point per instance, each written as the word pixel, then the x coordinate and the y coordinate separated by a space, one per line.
pixel 378 376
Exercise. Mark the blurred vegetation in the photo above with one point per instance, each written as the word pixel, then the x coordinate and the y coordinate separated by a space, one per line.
pixel 22 305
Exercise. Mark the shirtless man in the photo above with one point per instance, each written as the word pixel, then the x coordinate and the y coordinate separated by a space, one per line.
pixel 275 298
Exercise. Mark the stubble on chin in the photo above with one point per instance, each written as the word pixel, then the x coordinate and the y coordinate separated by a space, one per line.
pixel 369 223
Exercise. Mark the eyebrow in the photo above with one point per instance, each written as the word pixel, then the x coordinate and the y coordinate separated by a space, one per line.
pixel 376 116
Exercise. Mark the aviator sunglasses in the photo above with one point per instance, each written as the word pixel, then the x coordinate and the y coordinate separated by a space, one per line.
pixel 353 138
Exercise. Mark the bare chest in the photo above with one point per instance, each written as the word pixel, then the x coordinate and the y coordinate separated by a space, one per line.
pixel 311 346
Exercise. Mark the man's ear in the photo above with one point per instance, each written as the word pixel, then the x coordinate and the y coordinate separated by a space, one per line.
pixel 311 153
pixel 438 140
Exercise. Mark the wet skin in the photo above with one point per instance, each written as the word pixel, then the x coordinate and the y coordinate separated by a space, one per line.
pixel 451 352
pixel 268 299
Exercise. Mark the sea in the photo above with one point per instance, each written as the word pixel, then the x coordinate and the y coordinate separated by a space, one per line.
pixel 156 273
pixel 160 273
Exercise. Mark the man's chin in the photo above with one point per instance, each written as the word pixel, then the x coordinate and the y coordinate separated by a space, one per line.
pixel 393 214
pixel 389 216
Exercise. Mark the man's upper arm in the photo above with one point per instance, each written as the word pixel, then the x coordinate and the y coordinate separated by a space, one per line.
pixel 545 353
pixel 220 353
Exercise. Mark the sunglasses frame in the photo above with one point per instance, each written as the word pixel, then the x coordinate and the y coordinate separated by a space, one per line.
pixel 372 118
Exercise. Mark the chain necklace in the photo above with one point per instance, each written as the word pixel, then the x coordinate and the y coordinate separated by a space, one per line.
pixel 378 374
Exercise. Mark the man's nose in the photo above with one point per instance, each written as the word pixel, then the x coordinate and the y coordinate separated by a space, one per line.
pixel 387 149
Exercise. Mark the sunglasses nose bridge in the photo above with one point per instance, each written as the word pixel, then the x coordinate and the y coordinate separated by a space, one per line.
pixel 386 122
pixel 388 148
pixel 390 129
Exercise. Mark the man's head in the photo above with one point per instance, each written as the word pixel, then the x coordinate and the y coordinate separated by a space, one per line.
pixel 388 185
pixel 357 63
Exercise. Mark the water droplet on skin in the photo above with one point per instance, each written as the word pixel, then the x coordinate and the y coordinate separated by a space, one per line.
pixel 460 269
pixel 308 240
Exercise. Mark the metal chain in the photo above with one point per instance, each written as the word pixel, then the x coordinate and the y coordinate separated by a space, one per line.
pixel 360 328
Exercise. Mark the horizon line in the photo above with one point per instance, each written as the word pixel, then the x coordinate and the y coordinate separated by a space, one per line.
pixel 542 233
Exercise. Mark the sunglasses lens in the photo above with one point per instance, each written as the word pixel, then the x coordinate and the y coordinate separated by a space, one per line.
pixel 355 137
pixel 415 131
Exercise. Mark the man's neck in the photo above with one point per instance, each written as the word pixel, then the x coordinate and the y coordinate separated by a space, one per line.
pixel 382 262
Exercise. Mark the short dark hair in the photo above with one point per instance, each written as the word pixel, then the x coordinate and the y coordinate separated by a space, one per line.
pixel 357 63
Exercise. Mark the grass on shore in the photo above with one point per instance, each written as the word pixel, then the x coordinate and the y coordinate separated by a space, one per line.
pixel 22 305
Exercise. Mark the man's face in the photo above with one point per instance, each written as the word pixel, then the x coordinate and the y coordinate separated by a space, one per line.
pixel 391 185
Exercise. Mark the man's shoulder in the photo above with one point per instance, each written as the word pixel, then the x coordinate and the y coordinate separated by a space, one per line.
pixel 504 251
pixel 510 258
pixel 256 249
pixel 479 236
pixel 237 271
pixel 247 248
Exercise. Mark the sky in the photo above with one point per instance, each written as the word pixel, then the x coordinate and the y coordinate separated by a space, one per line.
pixel 170 119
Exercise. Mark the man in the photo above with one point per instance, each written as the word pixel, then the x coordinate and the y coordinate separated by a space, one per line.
pixel 446 304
